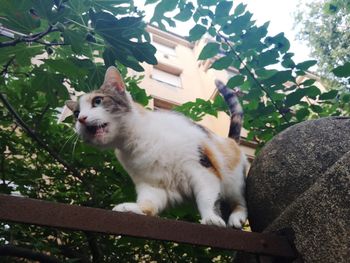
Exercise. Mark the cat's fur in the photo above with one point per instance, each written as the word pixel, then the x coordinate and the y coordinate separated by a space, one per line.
pixel 168 157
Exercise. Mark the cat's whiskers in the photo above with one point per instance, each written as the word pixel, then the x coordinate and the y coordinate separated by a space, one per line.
pixel 70 138
pixel 74 145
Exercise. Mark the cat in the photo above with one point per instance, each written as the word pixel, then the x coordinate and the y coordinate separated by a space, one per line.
pixel 168 157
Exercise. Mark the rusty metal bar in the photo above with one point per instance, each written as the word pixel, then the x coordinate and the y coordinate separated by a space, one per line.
pixel 73 217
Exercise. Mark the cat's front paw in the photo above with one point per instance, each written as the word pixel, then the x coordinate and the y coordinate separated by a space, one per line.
pixel 213 219
pixel 128 207
pixel 237 218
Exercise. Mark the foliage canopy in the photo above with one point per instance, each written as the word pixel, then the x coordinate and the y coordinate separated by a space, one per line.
pixel 50 45
pixel 324 25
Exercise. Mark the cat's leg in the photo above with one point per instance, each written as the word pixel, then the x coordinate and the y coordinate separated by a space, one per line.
pixel 150 201
pixel 233 191
pixel 128 207
pixel 239 215
pixel 206 189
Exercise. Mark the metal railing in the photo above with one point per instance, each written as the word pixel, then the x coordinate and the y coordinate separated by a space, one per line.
pixel 72 217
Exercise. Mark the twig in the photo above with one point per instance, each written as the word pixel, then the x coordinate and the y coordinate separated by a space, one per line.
pixel 72 254
pixel 33 135
pixel 253 76
pixel 247 69
pixel 28 38
pixel 93 244
pixel 41 116
pixel 14 251
pixel 6 66
pixel 50 44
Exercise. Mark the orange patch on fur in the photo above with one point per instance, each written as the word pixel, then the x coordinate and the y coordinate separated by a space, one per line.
pixel 230 151
pixel 213 160
pixel 148 208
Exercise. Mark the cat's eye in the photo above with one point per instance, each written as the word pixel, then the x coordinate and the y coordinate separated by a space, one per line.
pixel 76 113
pixel 96 101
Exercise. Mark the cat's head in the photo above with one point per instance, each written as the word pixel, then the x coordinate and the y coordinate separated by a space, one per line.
pixel 99 114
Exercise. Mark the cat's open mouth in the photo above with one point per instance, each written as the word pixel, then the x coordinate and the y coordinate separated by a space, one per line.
pixel 96 129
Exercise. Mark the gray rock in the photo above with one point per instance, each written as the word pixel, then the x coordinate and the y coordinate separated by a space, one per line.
pixel 320 217
pixel 300 180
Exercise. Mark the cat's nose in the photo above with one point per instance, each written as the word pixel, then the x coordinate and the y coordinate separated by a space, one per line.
pixel 82 119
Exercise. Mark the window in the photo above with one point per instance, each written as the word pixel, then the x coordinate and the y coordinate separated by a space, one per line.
pixel 164 46
pixel 166 50
pixel 161 104
pixel 170 78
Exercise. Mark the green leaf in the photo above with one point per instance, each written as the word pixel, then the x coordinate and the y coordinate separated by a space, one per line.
pixel 306 64
pixel 68 67
pixel 288 61
pixel 279 77
pixel 295 97
pixel 302 113
pixel 209 50
pixel 163 7
pixel 328 95
pixel 185 13
pixel 74 38
pixel 267 58
pixel 222 63
pixel 312 92
pixel 196 32
pixel 207 2
pixel 239 9
pixel 22 52
pixel 280 42
pixel 16 16
pixel 111 54
pixel 223 9
pixel 139 95
pixel 238 24
pixel 265 73
pixel 235 81
pixel 45 9
pixel 316 108
pixel 346 98
pixel 115 32
pixel 148 2
pixel 342 71
pixel 308 82
pixel 52 86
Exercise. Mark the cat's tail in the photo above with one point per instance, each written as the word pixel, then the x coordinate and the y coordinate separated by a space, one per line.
pixel 235 108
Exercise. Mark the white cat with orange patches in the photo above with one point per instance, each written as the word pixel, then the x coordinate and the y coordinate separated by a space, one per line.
pixel 168 157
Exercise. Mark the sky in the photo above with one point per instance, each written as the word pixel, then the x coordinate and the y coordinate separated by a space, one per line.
pixel 280 15
pixel 278 12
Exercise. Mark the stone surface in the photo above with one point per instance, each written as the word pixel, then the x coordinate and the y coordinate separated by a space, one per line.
pixel 290 163
pixel 300 180
pixel 320 217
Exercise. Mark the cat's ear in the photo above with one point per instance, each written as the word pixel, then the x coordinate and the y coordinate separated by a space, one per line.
pixel 114 79
pixel 72 105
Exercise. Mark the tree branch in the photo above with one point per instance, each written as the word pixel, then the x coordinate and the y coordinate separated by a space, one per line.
pixel 248 70
pixel 14 251
pixel 253 77
pixel 6 66
pixel 41 116
pixel 28 38
pixel 95 250
pixel 33 135
pixel 50 44
pixel 72 254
